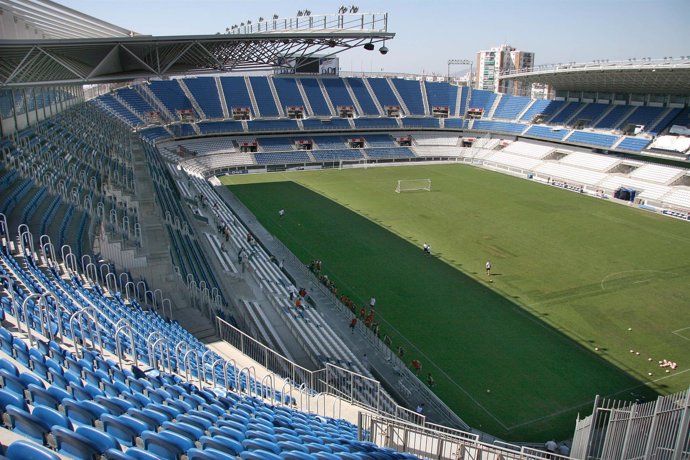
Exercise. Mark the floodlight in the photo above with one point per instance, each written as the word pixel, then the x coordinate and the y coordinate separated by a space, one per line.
pixel 369 46
pixel 383 50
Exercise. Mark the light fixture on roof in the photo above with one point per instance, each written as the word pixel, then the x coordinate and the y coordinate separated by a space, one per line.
pixel 369 46
pixel 331 43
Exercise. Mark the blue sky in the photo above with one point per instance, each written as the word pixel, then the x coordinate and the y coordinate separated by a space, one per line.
pixel 430 32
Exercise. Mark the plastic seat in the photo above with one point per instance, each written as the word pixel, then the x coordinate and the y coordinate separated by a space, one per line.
pixel 166 444
pixel 200 422
pixel 102 441
pixel 124 428
pixel 25 450
pixel 39 396
pixel 140 454
pixel 20 351
pixel 170 411
pixel 6 339
pixel 190 431
pixel 210 417
pixel 299 455
pixel 83 412
pixel 330 456
pixel 114 405
pixel 254 433
pixel 227 431
pixel 260 455
pixel 38 365
pixel 215 409
pixel 9 366
pixel 209 454
pixel 221 443
pixel 52 417
pixel 26 424
pixel 28 378
pixel 11 382
pixel 145 417
pixel 74 444
pixel 260 444
pixel 182 406
pixel 9 398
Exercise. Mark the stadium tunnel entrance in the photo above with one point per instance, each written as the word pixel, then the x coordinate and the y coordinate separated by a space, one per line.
pixel 625 194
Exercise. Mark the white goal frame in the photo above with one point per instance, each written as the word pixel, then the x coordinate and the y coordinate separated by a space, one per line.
pixel 412 185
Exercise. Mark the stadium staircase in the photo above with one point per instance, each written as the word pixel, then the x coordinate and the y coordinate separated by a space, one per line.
pixel 221 96
pixel 574 116
pixel 274 92
pixel 625 116
pixel 327 98
pixel 195 105
pixel 494 106
pixel 401 101
pixel 459 109
pixel 525 110
pixel 145 92
pixel 372 94
pixel 425 98
pixel 250 90
pixel 358 107
pixel 125 104
pixel 305 98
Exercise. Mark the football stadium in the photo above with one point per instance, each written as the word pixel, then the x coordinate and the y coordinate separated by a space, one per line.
pixel 225 246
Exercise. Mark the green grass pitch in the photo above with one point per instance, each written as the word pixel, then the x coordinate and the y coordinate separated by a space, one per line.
pixel 572 274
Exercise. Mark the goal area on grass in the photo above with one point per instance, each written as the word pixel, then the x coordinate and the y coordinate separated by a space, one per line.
pixel 412 185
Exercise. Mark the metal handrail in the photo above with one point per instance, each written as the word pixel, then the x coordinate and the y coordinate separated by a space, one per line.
pixel 78 315
pixel 124 324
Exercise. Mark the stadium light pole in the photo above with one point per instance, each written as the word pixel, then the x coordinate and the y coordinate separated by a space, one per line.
pixel 460 62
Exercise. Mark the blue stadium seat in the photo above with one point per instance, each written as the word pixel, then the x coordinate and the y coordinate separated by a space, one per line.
pixel 73 444
pixel 259 455
pixel 114 405
pixel 26 450
pixel 227 431
pixel 39 396
pixel 209 454
pixel 299 455
pixel 166 444
pixel 9 367
pixel 124 428
pixel 26 424
pixel 260 444
pixel 83 412
pixel 9 398
pixel 221 443
pixel 103 441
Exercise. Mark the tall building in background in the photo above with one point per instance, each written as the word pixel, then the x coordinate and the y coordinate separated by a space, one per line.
pixel 490 64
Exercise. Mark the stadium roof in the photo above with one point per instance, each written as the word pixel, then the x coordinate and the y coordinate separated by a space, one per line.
pixel 51 20
pixel 667 76
pixel 267 44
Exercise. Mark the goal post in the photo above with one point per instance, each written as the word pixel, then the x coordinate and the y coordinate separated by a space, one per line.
pixel 411 185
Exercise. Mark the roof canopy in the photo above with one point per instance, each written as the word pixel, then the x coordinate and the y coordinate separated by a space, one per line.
pixel 666 77
pixel 266 44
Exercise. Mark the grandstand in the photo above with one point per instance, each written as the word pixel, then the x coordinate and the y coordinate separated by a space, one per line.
pixel 121 251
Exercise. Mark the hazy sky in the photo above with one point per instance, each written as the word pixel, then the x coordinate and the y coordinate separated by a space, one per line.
pixel 430 32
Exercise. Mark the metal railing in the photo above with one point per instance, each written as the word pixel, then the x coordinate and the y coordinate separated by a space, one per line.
pixel 431 442
pixel 365 22
pixel 333 380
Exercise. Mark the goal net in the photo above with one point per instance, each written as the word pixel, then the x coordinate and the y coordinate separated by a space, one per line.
pixel 411 185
